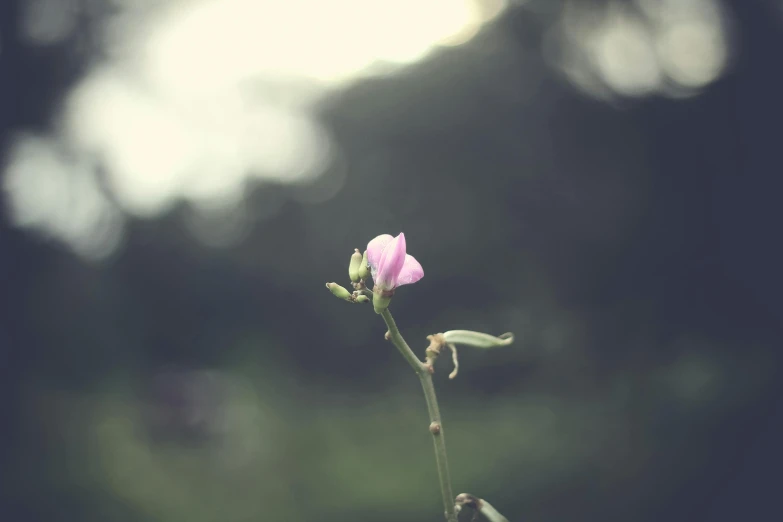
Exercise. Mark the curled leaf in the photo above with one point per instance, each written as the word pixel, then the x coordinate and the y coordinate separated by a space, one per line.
pixel 455 359
pixel 477 339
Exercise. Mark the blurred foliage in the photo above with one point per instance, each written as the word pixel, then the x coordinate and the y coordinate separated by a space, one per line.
pixel 631 246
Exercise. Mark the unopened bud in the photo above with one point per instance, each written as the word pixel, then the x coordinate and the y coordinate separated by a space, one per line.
pixel 339 291
pixel 353 268
pixel 362 299
pixel 364 268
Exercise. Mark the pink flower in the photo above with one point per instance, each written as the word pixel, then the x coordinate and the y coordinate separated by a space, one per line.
pixel 391 265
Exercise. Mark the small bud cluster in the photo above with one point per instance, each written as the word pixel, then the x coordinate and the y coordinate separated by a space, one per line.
pixel 358 271
pixel 389 264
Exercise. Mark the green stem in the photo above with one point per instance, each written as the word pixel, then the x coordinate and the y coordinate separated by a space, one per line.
pixel 436 426
pixel 396 338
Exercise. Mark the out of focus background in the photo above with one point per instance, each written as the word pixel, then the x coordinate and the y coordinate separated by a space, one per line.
pixel 180 179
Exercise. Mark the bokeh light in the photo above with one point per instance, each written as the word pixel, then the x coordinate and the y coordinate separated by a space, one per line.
pixel 58 193
pixel 632 49
pixel 196 102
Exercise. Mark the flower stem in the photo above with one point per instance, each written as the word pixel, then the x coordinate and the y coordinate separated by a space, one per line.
pixel 396 337
pixel 436 426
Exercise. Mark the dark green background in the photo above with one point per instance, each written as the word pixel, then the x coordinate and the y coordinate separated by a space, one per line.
pixel 634 248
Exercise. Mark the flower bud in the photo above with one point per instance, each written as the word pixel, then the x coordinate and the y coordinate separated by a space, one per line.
pixel 364 268
pixel 362 299
pixel 339 291
pixel 353 268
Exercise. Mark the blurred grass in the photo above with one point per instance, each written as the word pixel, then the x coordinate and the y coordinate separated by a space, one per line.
pixel 285 452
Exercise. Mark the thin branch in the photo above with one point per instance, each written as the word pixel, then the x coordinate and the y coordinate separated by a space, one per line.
pixel 436 426
pixel 395 337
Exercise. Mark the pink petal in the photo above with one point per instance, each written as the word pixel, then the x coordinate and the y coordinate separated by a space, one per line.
pixel 391 263
pixel 411 271
pixel 375 250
